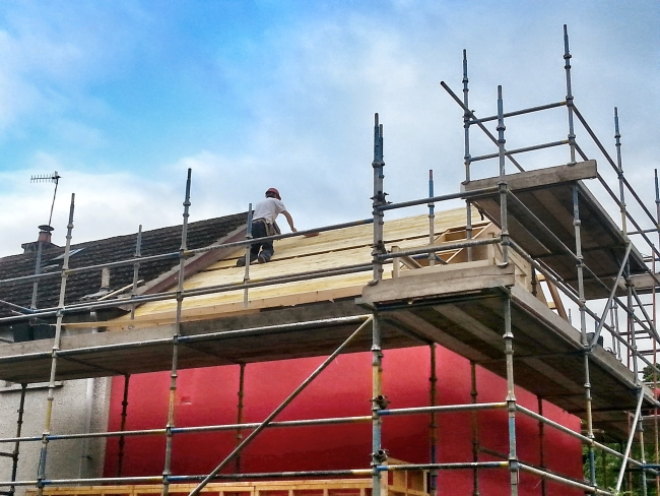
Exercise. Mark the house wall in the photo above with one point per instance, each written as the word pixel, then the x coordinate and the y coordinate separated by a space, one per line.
pixel 65 458
pixel 209 397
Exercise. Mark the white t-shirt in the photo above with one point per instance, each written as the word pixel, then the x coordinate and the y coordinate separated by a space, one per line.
pixel 268 209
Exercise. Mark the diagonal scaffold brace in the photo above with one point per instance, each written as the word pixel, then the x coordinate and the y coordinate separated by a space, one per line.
pixel 281 407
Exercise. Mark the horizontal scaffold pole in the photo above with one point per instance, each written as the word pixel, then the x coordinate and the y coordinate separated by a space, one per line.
pixel 443 247
pixel 452 196
pixel 77 308
pixel 205 428
pixel 471 114
pixel 443 408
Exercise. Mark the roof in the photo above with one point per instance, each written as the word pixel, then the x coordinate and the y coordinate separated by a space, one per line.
pixel 79 285
pixel 329 250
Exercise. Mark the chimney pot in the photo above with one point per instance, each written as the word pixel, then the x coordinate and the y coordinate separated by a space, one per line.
pixel 45 234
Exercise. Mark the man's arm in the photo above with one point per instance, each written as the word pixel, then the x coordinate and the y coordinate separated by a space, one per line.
pixel 289 219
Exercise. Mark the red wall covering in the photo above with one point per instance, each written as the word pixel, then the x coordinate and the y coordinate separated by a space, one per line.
pixel 209 397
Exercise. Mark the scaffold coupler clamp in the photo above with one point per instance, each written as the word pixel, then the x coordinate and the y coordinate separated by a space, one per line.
pixel 381 401
pixel 379 456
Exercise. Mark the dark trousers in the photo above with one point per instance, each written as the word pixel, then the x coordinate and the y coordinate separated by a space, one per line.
pixel 266 247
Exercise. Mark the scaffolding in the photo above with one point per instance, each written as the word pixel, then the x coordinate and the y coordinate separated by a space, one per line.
pixel 548 219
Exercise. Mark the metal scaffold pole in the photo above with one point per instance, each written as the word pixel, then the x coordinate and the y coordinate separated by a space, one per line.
pixel 642 455
pixel 248 257
pixel 433 426
pixel 432 256
pixel 583 329
pixel 378 199
pixel 502 183
pixel 656 443
pixel 569 97
pixel 542 446
pixel 124 416
pixel 136 268
pixel 239 412
pixel 17 444
pixel 619 171
pixel 41 472
pixel 466 156
pixel 474 421
pixel 175 342
pixel 378 402
pixel 257 430
pixel 514 467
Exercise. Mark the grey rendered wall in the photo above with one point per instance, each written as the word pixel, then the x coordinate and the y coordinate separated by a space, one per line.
pixel 66 459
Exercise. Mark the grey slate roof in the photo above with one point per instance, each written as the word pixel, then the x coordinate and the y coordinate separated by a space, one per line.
pixel 165 240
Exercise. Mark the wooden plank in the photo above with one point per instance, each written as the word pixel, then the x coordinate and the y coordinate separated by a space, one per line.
pixel 445 280
pixel 541 177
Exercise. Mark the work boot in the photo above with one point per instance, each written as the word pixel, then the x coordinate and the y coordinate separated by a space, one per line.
pixel 263 258
pixel 240 262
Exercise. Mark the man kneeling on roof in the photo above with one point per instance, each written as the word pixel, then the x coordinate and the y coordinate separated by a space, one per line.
pixel 263 224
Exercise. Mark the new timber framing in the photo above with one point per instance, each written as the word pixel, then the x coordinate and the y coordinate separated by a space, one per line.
pixel 549 221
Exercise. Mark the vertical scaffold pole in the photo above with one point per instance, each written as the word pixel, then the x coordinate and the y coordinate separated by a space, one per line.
pixel 542 445
pixel 239 413
pixel 136 268
pixel 603 464
pixel 17 444
pixel 619 172
pixel 475 429
pixel 41 473
pixel 502 183
pixel 583 329
pixel 655 343
pixel 614 322
pixel 378 199
pixel 175 340
pixel 569 97
pixel 122 428
pixel 467 157
pixel 248 256
pixel 378 455
pixel 630 311
pixel 433 426
pixel 642 458
pixel 514 468
pixel 431 218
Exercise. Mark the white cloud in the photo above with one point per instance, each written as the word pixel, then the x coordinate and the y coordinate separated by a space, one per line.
pixel 306 93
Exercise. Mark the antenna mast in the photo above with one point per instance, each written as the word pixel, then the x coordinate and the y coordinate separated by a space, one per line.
pixel 52 178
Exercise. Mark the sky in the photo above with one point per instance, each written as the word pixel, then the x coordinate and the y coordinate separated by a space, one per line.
pixel 121 97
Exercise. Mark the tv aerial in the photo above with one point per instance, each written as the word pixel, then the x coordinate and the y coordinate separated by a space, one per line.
pixel 48 178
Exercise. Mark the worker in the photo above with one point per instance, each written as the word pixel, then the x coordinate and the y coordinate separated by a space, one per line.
pixel 263 224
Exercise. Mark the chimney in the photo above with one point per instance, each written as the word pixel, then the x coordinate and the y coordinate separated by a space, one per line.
pixel 45 235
